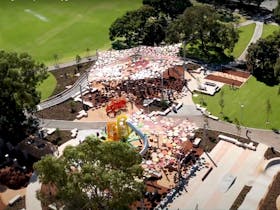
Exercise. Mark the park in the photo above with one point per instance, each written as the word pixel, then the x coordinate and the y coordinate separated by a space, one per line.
pixel 142 119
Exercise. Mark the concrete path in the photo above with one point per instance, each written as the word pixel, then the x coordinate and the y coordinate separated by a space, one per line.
pixel 31 201
pixel 259 188
pixel 257 34
pixel 69 125
pixel 71 63
pixel 266 137
pixel 68 93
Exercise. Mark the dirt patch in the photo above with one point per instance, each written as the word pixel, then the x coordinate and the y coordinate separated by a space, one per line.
pixel 269 202
pixel 66 76
pixel 67 110
pixel 240 198
pixel 224 80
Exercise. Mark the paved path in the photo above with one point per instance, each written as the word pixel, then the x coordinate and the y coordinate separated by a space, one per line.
pixel 266 137
pixel 68 125
pixel 68 93
pixel 71 63
pixel 257 34
pixel 65 95
pixel 31 201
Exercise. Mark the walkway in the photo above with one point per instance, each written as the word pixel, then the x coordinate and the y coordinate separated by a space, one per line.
pixel 31 201
pixel 257 34
pixel 66 94
pixel 71 63
pixel 266 137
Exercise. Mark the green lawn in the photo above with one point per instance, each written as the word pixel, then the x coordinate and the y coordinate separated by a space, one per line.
pixel 253 95
pixel 65 28
pixel 245 35
pixel 268 29
pixel 47 87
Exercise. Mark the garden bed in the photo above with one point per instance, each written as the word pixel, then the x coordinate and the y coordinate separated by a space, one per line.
pixel 66 76
pixel 269 202
pixel 242 74
pixel 224 80
pixel 212 139
pixel 271 153
pixel 240 198
pixel 67 110
pixel 59 137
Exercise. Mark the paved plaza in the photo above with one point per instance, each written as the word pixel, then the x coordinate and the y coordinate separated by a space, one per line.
pixel 241 163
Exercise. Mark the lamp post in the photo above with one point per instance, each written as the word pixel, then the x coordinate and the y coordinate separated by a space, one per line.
pixel 241 112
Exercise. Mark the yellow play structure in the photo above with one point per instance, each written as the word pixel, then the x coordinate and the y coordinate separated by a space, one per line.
pixel 118 130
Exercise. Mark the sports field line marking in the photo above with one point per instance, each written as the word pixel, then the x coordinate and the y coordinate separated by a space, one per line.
pixel 56 30
pixel 37 15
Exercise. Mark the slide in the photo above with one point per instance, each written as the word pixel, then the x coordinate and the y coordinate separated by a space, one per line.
pixel 142 136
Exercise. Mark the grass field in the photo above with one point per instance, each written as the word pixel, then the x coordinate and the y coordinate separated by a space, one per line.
pixel 268 29
pixel 66 28
pixel 245 35
pixel 253 95
pixel 47 87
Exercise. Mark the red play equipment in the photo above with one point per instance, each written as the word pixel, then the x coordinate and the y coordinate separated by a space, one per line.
pixel 116 105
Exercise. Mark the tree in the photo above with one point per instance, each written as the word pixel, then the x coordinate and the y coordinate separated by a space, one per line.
pixel 88 51
pixel 172 8
pixel 268 110
pixel 55 57
pixel 200 27
pixel 19 76
pixel 128 29
pixel 276 12
pixel 78 60
pixel 222 102
pixel 262 59
pixel 94 175
pixel 238 126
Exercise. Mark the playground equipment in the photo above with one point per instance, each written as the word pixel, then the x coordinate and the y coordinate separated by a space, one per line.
pixel 118 130
pixel 121 129
pixel 115 105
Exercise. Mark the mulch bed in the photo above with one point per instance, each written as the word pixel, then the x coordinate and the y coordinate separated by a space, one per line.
pixel 66 76
pixel 154 194
pixel 224 80
pixel 242 74
pixel 192 66
pixel 61 111
pixel 240 198
pixel 269 202
pixel 20 204
pixel 271 153
pixel 59 138
pixel 212 139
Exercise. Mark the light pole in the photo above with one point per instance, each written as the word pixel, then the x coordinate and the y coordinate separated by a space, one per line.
pixel 241 112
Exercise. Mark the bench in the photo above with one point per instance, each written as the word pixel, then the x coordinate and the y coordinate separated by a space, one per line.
pixel 81 114
pixel 14 199
pixel 74 132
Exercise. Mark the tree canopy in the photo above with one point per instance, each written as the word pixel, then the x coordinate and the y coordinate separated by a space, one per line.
pixel 263 59
pixel 200 26
pixel 19 76
pixel 172 8
pixel 94 175
pixel 128 29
